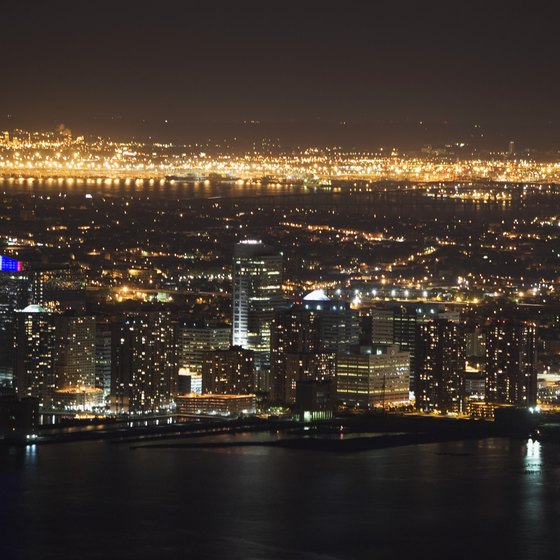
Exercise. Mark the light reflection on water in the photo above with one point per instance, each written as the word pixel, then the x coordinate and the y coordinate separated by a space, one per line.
pixel 533 458
pixel 143 187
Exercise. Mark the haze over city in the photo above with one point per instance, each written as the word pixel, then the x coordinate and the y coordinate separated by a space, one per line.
pixel 310 73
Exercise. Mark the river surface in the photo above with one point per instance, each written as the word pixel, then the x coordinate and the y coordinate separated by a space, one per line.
pixel 494 498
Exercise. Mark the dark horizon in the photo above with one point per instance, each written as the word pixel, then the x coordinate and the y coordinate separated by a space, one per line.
pixel 399 76
pixel 294 135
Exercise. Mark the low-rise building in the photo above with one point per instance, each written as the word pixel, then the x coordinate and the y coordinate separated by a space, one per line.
pixel 315 400
pixel 220 405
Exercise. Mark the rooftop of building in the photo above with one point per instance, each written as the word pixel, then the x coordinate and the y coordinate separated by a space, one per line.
pixel 79 391
pixel 210 396
pixel 34 308
pixel 317 295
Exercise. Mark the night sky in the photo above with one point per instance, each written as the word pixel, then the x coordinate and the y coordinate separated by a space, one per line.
pixel 402 72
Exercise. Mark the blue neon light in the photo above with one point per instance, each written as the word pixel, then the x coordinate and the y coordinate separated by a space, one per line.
pixel 10 265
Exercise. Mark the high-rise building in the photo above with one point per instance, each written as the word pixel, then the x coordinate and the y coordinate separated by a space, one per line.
pixel 305 366
pixel 257 293
pixel 397 324
pixel 305 338
pixel 74 363
pixel 375 376
pixel 511 373
pixel 13 296
pixel 194 339
pixel 228 371
pixel 144 368
pixel 74 352
pixel 18 288
pixel 440 366
pixel 35 374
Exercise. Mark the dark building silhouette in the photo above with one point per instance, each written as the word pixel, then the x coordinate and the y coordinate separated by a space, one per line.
pixel 314 400
pixel 19 418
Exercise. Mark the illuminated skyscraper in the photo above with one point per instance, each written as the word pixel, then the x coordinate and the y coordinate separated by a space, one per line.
pixel 440 366
pixel 35 375
pixel 511 374
pixel 144 368
pixel 257 293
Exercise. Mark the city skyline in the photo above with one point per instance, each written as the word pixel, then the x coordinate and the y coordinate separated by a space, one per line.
pixel 279 281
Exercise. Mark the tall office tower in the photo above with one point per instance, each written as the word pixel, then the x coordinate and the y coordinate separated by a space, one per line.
pixel 143 362
pixel 304 339
pixel 228 371
pixel 257 293
pixel 103 339
pixel 194 339
pixel 440 366
pixel 35 375
pixel 511 353
pixel 375 376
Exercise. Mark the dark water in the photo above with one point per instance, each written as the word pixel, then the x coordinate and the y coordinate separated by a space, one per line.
pixel 145 188
pixel 487 499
